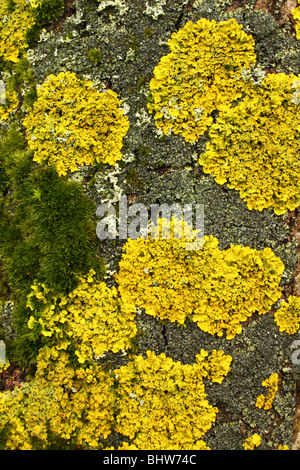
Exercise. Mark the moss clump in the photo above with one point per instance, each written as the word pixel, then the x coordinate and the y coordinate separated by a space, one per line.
pixel 19 91
pixel 47 233
pixel 89 320
pixel 50 236
pixel 296 15
pixel 44 13
pixel 95 55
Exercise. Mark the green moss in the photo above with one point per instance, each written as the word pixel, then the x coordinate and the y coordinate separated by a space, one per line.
pixel 3 438
pixel 13 141
pixel 47 232
pixel 131 175
pixel 48 11
pixel 133 43
pixel 142 81
pixel 148 33
pixel 95 55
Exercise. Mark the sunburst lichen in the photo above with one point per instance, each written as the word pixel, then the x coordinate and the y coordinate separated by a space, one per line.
pixel 255 146
pixel 72 124
pixel 61 402
pixel 252 442
pixel 287 317
pixel 203 71
pixel 163 403
pixel 90 318
pixel 271 384
pixel 21 22
pixel 217 289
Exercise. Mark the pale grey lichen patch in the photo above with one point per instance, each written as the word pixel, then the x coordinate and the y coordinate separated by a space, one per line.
pixel 119 4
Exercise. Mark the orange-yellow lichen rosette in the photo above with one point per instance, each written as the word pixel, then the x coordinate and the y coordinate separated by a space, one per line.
pixel 255 146
pixel 206 68
pixel 72 124
pixel 287 316
pixel 15 19
pixel 216 289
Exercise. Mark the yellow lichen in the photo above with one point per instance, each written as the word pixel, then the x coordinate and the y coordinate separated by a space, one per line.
pixel 91 319
pixel 14 24
pixel 255 146
pixel 287 317
pixel 206 68
pixel 217 289
pixel 156 402
pixel 8 105
pixel 199 445
pixel 252 442
pixel 72 124
pixel 162 403
pixel 296 15
pixel 271 384
pixel 71 404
